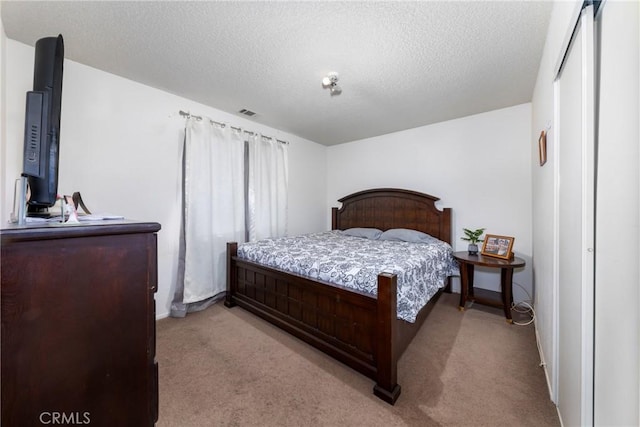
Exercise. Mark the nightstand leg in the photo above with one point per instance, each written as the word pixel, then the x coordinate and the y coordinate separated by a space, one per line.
pixel 506 282
pixel 466 283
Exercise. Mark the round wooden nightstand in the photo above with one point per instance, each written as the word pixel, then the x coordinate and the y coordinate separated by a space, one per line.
pixel 502 299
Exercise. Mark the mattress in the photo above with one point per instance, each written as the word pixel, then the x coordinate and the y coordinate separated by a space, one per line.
pixel 355 262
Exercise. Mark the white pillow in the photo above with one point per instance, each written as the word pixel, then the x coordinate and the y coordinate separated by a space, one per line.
pixel 367 233
pixel 406 235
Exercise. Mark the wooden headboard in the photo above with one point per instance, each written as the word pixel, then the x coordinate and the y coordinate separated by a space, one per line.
pixel 386 208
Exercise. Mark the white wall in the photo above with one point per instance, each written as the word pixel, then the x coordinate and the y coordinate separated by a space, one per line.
pixel 480 166
pixel 543 188
pixel 120 146
pixel 3 127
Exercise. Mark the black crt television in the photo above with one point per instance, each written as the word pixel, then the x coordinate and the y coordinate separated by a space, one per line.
pixel 42 126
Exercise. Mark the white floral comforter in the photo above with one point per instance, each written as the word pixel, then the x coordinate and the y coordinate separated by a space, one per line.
pixel 355 262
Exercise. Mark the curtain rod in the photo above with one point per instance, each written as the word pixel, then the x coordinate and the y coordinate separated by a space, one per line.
pixel 189 115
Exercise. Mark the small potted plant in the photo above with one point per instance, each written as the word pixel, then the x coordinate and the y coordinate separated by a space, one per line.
pixel 473 237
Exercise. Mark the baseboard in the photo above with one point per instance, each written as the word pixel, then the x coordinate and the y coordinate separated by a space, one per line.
pixel 543 363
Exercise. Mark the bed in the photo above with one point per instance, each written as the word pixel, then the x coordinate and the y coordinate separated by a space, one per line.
pixel 357 328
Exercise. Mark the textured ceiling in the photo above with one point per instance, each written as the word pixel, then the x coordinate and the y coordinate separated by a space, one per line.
pixel 401 64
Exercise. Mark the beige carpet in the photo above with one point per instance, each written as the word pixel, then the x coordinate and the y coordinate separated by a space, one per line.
pixel 226 367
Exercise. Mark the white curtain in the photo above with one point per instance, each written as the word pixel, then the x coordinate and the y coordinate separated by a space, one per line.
pixel 213 214
pixel 267 188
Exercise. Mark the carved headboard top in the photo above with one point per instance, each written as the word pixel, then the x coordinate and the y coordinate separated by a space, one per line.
pixel 387 208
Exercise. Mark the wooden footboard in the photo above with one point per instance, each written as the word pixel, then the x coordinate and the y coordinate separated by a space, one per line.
pixel 357 329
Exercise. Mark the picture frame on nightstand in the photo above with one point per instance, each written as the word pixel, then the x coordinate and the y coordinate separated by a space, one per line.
pixel 498 246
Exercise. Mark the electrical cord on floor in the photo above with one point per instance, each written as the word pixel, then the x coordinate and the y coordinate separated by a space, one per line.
pixel 524 307
pixel 529 310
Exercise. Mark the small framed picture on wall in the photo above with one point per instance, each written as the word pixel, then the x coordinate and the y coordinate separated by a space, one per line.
pixel 498 246
pixel 542 148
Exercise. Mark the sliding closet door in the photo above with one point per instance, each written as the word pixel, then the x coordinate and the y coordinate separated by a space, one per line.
pixel 617 339
pixel 575 174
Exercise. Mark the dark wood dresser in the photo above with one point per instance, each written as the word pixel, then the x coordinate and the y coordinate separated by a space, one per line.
pixel 78 324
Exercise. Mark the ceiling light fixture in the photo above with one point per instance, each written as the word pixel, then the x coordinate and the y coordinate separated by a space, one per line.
pixel 331 82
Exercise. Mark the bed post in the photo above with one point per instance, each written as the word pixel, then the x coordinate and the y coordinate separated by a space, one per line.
pixel 387 387
pixel 232 250
pixel 446 235
pixel 334 218
pixel 445 226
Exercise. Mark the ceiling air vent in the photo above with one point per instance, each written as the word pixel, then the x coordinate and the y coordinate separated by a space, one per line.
pixel 247 112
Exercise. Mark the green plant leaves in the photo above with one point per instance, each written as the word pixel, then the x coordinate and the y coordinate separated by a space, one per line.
pixel 473 236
